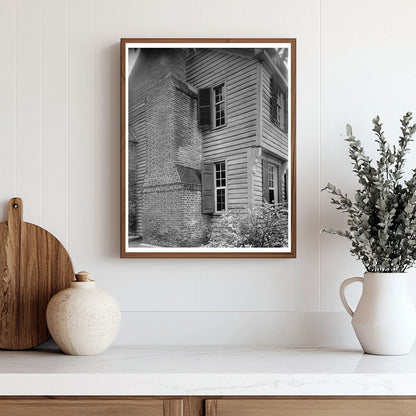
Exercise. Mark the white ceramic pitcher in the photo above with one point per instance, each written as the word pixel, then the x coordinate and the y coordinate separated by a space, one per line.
pixel 385 318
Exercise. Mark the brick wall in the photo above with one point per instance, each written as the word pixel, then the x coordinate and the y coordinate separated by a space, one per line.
pixel 188 139
pixel 160 139
pixel 173 216
pixel 152 66
pixel 172 185
pixel 134 191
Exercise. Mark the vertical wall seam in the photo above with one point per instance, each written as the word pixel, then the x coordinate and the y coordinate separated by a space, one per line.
pixel 293 288
pixel 95 129
pixel 201 305
pixel 67 124
pixel 41 111
pixel 319 154
pixel 15 102
pixel 200 16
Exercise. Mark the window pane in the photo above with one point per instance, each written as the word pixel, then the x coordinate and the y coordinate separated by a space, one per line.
pixel 271 196
pixel 219 105
pixel 219 114
pixel 271 176
pixel 220 184
pixel 220 173
pixel 220 199
pixel 219 92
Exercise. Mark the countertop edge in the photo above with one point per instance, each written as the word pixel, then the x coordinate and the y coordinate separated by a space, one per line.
pixel 187 384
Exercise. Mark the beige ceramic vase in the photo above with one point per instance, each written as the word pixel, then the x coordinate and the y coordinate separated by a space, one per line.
pixel 82 319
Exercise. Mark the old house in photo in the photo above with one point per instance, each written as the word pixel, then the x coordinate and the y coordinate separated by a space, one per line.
pixel 208 132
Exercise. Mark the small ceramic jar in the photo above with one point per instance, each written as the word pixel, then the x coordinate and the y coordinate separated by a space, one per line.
pixel 82 319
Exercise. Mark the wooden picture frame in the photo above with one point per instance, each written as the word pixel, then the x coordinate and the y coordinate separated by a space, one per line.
pixel 208 147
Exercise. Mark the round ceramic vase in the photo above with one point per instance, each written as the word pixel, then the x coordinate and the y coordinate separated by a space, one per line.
pixel 83 320
pixel 385 318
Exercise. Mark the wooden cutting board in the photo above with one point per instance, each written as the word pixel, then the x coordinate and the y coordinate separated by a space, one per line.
pixel 34 266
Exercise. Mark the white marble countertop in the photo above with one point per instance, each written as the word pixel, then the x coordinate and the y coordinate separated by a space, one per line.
pixel 208 371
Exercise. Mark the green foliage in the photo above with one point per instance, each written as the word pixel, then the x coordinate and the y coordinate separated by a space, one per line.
pixel 382 214
pixel 265 226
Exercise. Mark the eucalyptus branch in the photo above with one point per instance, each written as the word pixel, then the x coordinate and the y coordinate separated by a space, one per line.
pixel 382 215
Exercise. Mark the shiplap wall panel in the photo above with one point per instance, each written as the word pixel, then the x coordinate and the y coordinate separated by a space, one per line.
pixel 261 293
pixel 29 107
pixel 163 295
pixel 179 285
pixel 188 286
pixel 107 129
pixel 81 147
pixel 301 21
pixel 240 328
pixel 303 24
pixel 7 103
pixel 142 284
pixel 54 197
pixel 377 77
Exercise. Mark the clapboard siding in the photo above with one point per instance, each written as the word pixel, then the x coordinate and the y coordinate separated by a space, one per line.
pixel 273 138
pixel 206 68
pixel 242 110
pixel 220 64
pixel 257 184
pixel 237 179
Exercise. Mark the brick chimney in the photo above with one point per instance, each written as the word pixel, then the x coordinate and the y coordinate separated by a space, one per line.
pixel 171 187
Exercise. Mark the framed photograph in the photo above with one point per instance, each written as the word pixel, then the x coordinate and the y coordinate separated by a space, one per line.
pixel 208 135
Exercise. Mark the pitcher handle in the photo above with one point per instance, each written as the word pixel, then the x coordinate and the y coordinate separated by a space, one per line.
pixel 342 288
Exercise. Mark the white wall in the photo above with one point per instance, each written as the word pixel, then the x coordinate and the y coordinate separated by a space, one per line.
pixel 59 132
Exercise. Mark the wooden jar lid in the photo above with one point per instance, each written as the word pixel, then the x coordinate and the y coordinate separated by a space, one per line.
pixel 82 277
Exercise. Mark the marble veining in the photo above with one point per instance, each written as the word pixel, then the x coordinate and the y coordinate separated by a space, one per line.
pixel 211 370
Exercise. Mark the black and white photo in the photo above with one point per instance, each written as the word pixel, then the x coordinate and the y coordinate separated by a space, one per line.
pixel 208 148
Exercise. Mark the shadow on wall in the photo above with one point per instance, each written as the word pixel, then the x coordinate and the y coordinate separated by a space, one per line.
pixel 4 210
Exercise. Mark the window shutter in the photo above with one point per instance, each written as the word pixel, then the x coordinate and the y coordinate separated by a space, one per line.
pixel 265 169
pixel 279 186
pixel 286 110
pixel 285 190
pixel 208 199
pixel 273 100
pixel 204 108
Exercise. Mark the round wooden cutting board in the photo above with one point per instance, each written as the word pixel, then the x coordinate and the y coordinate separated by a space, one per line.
pixel 34 266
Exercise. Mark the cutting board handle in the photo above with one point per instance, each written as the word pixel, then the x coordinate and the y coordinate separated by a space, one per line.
pixel 15 214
